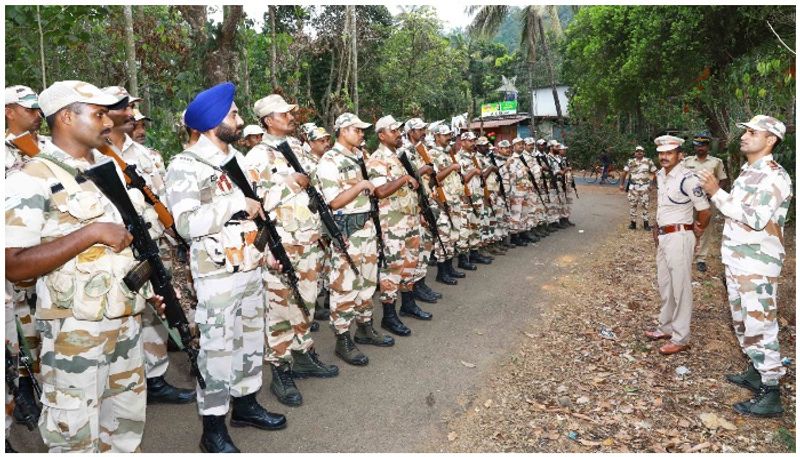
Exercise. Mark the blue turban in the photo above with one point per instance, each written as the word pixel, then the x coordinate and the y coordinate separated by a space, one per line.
pixel 210 107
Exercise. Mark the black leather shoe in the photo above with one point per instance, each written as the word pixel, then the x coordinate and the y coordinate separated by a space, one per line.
pixel 702 267
pixel 443 275
pixel 423 295
pixel 392 323
pixel 476 257
pixel 160 391
pixel 553 226
pixel 425 286
pixel 465 264
pixel 632 225
pixel 215 438
pixel 410 308
pixel 646 225
pixel 452 271
pixel 248 413
pixel 283 386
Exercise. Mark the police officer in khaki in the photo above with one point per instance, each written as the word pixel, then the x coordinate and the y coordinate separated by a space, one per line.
pixel 703 161
pixel 676 233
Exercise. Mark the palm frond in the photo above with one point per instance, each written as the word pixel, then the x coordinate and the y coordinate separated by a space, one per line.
pixel 488 19
pixel 530 14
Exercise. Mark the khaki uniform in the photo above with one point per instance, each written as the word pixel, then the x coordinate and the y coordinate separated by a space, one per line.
pixel 537 212
pixel 350 295
pixel 639 191
pixel 753 254
pixel 426 237
pixel 287 325
pixel 451 235
pixel 92 369
pixel 473 221
pixel 679 192
pixel 717 168
pixel 400 224
pixel 517 186
pixel 226 269
pixel 556 197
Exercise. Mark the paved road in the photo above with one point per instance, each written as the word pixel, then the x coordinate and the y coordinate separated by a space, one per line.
pixel 397 402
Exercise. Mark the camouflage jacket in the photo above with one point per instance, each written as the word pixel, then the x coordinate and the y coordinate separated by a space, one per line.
pixel 134 153
pixel 337 171
pixel 755 213
pixel 384 166
pixel 281 196
pixel 452 183
pixel 640 172
pixel 16 159
pixel 202 199
pixel 465 159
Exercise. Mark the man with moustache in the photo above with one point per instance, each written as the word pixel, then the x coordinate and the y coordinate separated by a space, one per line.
pixel 216 217
pixel 516 183
pixel 154 334
pixel 494 226
pixel 252 135
pixel 642 170
pixel 676 233
pixel 318 141
pixel 517 149
pixel 466 158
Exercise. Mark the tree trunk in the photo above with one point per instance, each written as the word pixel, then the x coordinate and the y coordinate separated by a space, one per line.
pixel 41 49
pixel 130 51
pixel 354 52
pixel 246 78
pixel 273 49
pixel 549 63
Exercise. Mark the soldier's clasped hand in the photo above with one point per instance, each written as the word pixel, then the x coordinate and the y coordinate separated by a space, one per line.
pixel 115 236
pixel 253 209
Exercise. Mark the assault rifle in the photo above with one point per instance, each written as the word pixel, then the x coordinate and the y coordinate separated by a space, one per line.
pixel 105 177
pixel 434 181
pixel 317 205
pixel 21 403
pixel 533 180
pixel 545 172
pixel 373 213
pixel 572 178
pixel 499 180
pixel 486 194
pixel 267 232
pixel 467 191
pixel 26 358
pixel 424 204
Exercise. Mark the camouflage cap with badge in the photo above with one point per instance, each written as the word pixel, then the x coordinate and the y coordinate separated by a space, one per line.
pixel 467 136
pixel 762 123
pixel 442 129
pixel 252 129
pixel 415 123
pixel 121 93
pixel 482 141
pixel 349 120
pixel 387 123
pixel 23 96
pixel 272 103
pixel 504 144
pixel 318 133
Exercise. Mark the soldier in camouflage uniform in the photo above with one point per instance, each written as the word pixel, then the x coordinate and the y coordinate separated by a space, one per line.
pixel 517 186
pixel 537 210
pixel 318 141
pixel 542 159
pixel 566 184
pixel 526 213
pixel 400 226
pixel 494 227
pixel 290 348
pixel 642 172
pixel 753 253
pixel 476 201
pixel 557 197
pixel 448 174
pixel 71 238
pixel 154 334
pixel 216 216
pixel 346 190
pixel 22 115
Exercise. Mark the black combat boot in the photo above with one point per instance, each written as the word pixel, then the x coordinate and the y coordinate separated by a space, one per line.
pixel 749 379
pixel 424 285
pixel 160 391
pixel 409 308
pixel 443 275
pixel 422 293
pixel 307 365
pixel 247 412
pixel 562 222
pixel 632 225
pixel 465 264
pixel 646 225
pixel 348 351
pixel 215 438
pixel 283 385
pixel 569 222
pixel 26 396
pixel 366 334
pixel 765 403
pixel 509 243
pixel 476 257
pixel 323 313
pixel 9 449
pixel 530 236
pixel 452 271
pixel 314 327
pixel 391 322
pixel 484 251
pixel 554 226
pixel 518 240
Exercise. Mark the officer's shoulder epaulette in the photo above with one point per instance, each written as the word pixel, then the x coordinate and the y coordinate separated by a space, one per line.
pixel 774 165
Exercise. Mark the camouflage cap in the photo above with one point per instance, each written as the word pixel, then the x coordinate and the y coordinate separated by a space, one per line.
pixel 482 140
pixel 504 144
pixel 22 96
pixel 252 129
pixel 387 122
pixel 318 133
pixel 348 120
pixel 516 140
pixel 639 148
pixel 541 141
pixel 552 143
pixel 530 140
pixel 667 143
pixel 415 123
pixel 306 128
pixel 120 92
pixel 63 93
pixel 764 123
pixel 442 129
pixel 138 116
pixel 434 125
pixel 272 103
pixel 467 136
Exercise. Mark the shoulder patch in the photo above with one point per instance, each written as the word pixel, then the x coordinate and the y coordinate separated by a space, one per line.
pixel 698 191
pixel 774 165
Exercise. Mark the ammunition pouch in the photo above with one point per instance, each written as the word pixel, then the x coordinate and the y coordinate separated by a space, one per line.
pixel 350 223
pixel 237 240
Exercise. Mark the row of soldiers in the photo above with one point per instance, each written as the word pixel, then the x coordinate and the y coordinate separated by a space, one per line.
pixel 337 218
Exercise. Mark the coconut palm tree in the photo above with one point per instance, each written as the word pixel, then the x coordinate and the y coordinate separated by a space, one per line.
pixel 487 22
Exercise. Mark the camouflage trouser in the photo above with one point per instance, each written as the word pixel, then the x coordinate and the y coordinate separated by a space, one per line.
pixel 554 208
pixel 566 208
pixel 287 326
pixel 425 249
pixel 351 295
pixel 449 234
pixel 13 344
pixel 636 198
pixel 497 224
pixel 402 243
pixel 469 235
pixel 515 218
pixel 24 306
pixel 230 319
pixel 93 386
pixel 487 228
pixel 674 274
pixel 323 279
pixel 754 311
pixel 154 335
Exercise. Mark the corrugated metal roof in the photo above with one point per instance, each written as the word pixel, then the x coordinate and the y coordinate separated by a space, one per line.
pixel 488 124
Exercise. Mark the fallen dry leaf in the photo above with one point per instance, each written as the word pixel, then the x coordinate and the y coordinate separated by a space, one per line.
pixel 713 422
pixel 452 436
pixel 467 364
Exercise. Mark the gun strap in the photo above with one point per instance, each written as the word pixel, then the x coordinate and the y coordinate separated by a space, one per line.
pixel 203 161
pixel 64 173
